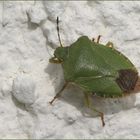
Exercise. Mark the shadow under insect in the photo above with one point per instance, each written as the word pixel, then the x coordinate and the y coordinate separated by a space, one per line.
pixel 74 96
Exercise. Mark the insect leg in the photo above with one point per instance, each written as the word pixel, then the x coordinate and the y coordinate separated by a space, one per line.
pixel 98 39
pixel 109 44
pixel 88 103
pixel 93 39
pixel 87 100
pixel 59 93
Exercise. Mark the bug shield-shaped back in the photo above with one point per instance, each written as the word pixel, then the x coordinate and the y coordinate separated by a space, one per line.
pixel 127 79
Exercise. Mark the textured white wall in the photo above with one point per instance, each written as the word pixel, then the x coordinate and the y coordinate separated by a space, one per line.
pixel 28 82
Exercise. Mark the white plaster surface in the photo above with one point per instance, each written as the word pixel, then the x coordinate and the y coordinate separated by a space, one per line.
pixel 28 82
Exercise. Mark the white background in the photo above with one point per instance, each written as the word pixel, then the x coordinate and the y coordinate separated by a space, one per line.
pixel 28 82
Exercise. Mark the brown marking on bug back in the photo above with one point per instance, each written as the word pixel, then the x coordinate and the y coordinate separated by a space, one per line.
pixel 137 86
pixel 127 80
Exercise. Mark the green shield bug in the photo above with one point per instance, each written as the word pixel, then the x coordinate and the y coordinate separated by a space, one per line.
pixel 95 68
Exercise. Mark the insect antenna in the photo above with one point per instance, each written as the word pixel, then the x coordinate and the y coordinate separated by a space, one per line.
pixel 57 21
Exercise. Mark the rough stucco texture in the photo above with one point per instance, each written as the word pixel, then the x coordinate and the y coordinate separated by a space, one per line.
pixel 28 38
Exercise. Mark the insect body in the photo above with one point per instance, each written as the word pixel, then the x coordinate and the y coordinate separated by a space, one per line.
pixel 95 68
